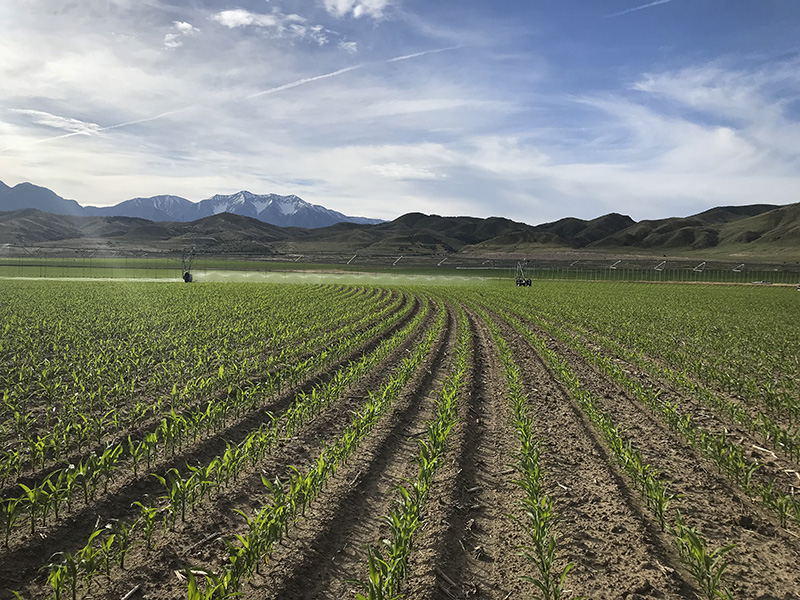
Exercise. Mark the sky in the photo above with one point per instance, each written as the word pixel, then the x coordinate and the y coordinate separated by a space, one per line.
pixel 532 110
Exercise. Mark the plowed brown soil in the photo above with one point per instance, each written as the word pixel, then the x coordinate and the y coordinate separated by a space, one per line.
pixel 468 544
pixel 763 565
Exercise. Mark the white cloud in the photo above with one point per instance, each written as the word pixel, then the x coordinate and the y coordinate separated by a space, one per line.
pixel 357 8
pixel 242 18
pixel 180 29
pixel 404 171
pixel 722 92
pixel 317 33
pixel 172 40
pixel 349 47
pixel 185 28
pixel 57 122
pixel 279 25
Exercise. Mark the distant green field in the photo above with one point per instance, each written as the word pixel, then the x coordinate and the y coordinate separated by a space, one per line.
pixel 219 269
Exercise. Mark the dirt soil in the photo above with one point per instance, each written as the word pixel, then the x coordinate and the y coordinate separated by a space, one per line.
pixel 763 565
pixel 468 545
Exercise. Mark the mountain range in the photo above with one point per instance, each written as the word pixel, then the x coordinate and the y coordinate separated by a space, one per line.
pixel 757 230
pixel 284 211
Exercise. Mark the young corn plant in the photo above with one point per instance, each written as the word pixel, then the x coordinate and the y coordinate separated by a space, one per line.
pixel 137 451
pixel 35 498
pixel 63 575
pixel 57 579
pixel 57 490
pixel 216 587
pixel 539 519
pixel 379 573
pixel 11 509
pixel 706 566
pixel 123 534
pixel 387 573
pixel 148 516
pixel 90 559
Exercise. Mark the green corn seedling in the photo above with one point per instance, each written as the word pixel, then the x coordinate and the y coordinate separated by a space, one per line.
pixel 707 567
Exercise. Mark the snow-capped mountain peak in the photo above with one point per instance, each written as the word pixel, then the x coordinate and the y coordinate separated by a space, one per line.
pixel 284 211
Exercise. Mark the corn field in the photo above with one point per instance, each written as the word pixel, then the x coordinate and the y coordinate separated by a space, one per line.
pixel 280 441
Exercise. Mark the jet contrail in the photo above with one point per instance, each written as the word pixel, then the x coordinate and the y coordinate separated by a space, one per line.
pixel 166 114
pixel 110 127
pixel 423 53
pixel 280 88
pixel 293 84
pixel 642 7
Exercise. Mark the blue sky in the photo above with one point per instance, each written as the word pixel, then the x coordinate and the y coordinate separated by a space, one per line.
pixel 532 110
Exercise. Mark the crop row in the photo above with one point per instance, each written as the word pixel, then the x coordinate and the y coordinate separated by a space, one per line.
pixel 210 416
pixel 728 457
pixel 184 492
pixel 538 516
pixel 388 569
pixel 169 436
pixel 707 566
pixel 69 424
pixel 772 432
pixel 55 342
pixel 287 500
pixel 714 335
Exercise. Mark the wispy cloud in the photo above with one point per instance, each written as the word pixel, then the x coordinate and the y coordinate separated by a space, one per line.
pixel 77 127
pixel 642 7
pixel 350 47
pixel 357 8
pixel 242 18
pixel 180 30
pixel 74 126
pixel 278 24
pixel 404 171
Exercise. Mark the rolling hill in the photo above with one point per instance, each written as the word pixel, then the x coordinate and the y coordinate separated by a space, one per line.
pixel 756 230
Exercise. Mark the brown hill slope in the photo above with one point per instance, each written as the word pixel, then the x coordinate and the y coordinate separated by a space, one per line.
pixel 757 230
pixel 220 232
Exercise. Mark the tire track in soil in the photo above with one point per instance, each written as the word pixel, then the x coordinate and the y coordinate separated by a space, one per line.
pixel 20 565
pixel 617 549
pixel 467 547
pixel 328 547
pixel 763 565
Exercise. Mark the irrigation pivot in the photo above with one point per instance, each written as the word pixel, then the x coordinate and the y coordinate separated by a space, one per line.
pixel 522 281
pixel 187 260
